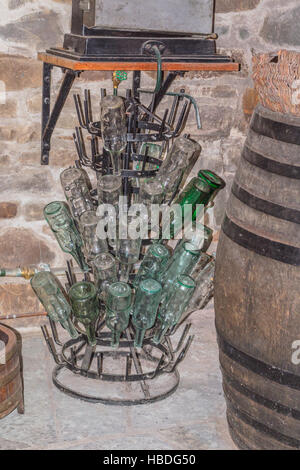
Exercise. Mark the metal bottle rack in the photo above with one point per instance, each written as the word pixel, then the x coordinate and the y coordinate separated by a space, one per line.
pixel 155 375
pixel 90 48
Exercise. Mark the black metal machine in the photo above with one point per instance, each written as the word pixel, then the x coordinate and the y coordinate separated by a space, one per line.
pixel 89 40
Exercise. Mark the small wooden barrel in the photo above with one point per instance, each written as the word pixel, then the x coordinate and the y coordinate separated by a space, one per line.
pixel 11 384
pixel 257 288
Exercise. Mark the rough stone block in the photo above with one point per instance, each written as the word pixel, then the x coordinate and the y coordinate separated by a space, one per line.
pixel 7 133
pixel 13 4
pixel 216 122
pixel 33 212
pixel 8 210
pixel 21 247
pixel 26 181
pixel 34 104
pixel 18 72
pixel 18 298
pixel 28 133
pixel 226 6
pixel 5 161
pixel 8 109
pixel 40 29
pixel 282 27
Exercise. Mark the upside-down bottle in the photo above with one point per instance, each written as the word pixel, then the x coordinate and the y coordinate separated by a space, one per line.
pixel 83 297
pixel 213 180
pixel 153 264
pixel 59 218
pixel 201 238
pixel 118 306
pixel 92 243
pixel 196 193
pixel 105 272
pixel 183 262
pixel 204 286
pixel 113 129
pixel 170 312
pixel 76 184
pixel 176 162
pixel 145 307
pixel 52 296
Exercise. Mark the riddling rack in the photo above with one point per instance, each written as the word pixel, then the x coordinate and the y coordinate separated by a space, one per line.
pixel 80 365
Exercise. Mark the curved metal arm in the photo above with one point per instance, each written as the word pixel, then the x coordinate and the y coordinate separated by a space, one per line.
pixel 182 95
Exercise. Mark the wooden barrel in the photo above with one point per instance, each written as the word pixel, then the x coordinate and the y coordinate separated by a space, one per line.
pixel 257 288
pixel 11 385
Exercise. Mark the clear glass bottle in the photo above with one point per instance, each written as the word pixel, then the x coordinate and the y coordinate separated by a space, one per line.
pixel 75 184
pixel 118 306
pixel 109 189
pixel 201 239
pixel 203 261
pixel 151 191
pixel 127 249
pixel 53 298
pixel 128 253
pixel 93 244
pixel 109 192
pixel 105 272
pixel 113 129
pixel 170 180
pixel 58 216
pixel 204 286
pixel 176 162
pixel 170 313
pixel 180 154
pixel 153 264
pixel 85 308
pixel 145 308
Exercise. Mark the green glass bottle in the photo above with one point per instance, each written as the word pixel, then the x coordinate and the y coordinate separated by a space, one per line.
pixel 118 306
pixel 59 218
pixel 145 307
pixel 83 297
pixel 200 191
pixel 214 182
pixel 170 313
pixel 195 193
pixel 153 264
pixel 182 262
pixel 52 296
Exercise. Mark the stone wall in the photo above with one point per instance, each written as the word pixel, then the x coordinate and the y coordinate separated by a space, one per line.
pixel 226 101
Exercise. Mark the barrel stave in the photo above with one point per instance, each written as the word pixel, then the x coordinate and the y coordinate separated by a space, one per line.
pixel 257 280
pixel 11 385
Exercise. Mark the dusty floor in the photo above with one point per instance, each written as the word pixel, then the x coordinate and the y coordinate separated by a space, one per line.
pixel 193 418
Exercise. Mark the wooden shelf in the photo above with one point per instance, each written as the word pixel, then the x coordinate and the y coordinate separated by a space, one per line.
pixel 78 65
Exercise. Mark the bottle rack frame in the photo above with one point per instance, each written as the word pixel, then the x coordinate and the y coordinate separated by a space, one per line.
pixel 76 355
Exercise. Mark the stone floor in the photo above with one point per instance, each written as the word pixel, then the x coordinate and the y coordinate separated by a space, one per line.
pixel 192 418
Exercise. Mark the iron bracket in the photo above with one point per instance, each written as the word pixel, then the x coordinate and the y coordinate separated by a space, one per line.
pixel 50 118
